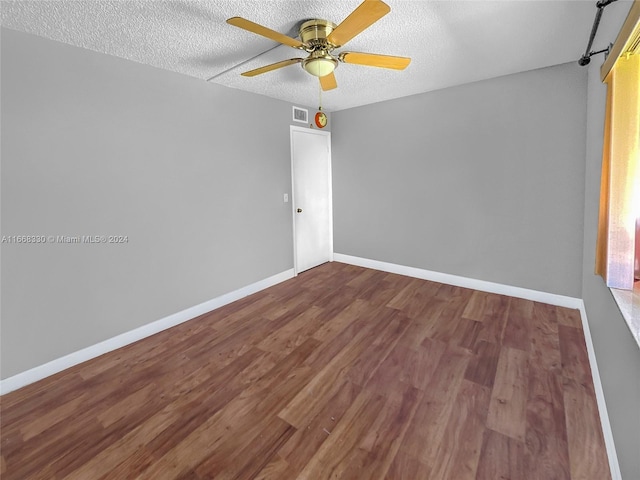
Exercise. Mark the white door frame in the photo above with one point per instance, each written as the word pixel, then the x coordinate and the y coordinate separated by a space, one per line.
pixel 293 128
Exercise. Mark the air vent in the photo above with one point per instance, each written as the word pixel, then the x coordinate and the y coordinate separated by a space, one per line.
pixel 300 115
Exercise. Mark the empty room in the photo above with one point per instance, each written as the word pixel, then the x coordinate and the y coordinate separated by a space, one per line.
pixel 305 239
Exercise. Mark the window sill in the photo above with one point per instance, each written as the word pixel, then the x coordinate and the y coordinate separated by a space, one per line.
pixel 629 303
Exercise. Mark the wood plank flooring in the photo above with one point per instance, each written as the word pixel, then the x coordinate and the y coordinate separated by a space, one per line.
pixel 339 373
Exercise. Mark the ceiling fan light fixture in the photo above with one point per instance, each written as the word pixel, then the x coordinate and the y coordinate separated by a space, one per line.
pixel 319 65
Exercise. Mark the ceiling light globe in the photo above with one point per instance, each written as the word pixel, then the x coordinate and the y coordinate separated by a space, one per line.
pixel 319 66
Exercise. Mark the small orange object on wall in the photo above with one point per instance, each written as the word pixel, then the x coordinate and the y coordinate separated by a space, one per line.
pixel 321 120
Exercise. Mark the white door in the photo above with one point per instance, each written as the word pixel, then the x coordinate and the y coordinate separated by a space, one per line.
pixel 312 210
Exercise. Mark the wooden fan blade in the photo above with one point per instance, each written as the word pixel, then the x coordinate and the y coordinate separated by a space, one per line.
pixel 328 82
pixel 375 60
pixel 273 66
pixel 265 32
pixel 369 12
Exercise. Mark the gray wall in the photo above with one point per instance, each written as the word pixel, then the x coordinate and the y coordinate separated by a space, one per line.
pixel 617 352
pixel 95 145
pixel 485 180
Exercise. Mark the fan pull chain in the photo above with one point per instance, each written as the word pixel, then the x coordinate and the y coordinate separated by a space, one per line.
pixel 319 97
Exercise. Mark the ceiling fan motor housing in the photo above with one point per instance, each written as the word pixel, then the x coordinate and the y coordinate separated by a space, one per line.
pixel 314 33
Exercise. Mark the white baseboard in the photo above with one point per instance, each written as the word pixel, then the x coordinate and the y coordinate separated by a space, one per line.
pixel 42 371
pixel 602 406
pixel 518 292
pixel 472 283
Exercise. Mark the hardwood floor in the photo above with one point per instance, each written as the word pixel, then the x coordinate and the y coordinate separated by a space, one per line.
pixel 339 373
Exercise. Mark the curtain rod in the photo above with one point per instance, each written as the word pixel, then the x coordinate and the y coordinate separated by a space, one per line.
pixel 586 58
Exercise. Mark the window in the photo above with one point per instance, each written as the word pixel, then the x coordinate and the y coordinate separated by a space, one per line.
pixel 620 187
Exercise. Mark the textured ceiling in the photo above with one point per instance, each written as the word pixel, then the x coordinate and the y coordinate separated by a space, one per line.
pixel 450 42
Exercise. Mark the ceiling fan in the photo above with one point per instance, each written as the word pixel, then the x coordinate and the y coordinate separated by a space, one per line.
pixel 320 37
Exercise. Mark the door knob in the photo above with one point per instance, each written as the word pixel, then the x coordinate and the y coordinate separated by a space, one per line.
pixel 299 210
